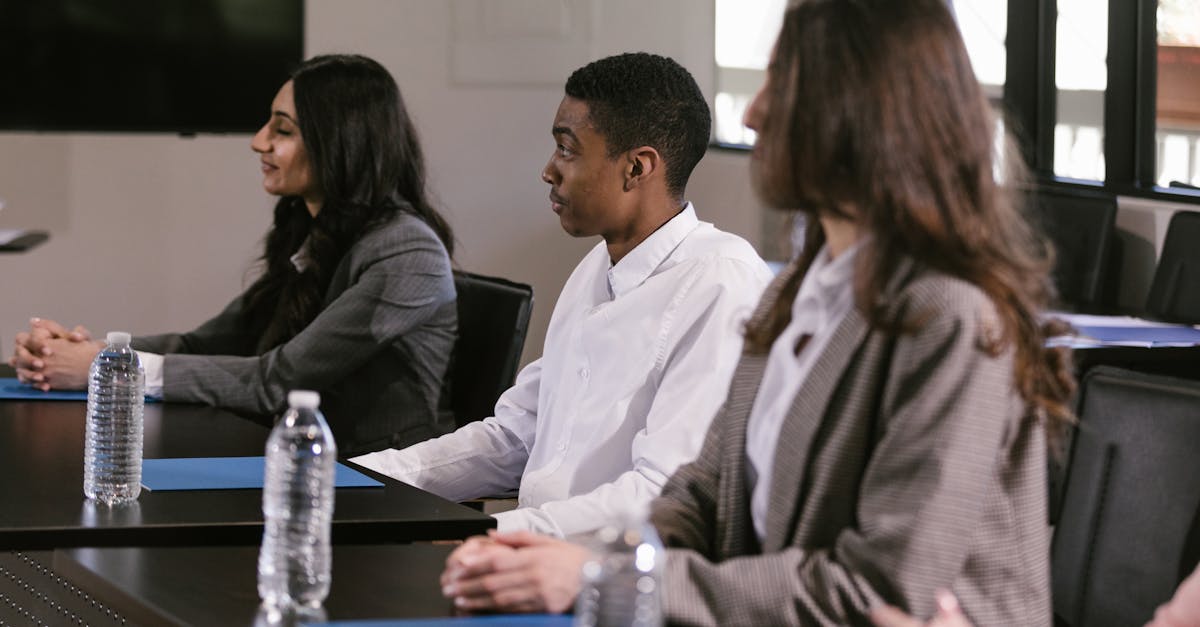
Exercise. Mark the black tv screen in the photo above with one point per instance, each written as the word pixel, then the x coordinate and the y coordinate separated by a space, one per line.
pixel 184 66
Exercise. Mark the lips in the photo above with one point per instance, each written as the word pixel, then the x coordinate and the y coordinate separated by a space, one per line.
pixel 267 167
pixel 557 203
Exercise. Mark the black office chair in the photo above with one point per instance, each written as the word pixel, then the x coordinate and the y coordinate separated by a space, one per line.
pixel 1127 532
pixel 493 316
pixel 1082 225
pixel 1175 292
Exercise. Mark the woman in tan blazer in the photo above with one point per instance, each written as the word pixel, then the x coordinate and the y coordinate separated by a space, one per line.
pixel 884 435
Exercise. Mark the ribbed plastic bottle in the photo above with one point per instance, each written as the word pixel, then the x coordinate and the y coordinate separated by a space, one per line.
pixel 294 561
pixel 622 583
pixel 112 447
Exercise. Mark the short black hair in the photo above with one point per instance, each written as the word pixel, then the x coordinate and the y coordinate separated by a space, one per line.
pixel 641 99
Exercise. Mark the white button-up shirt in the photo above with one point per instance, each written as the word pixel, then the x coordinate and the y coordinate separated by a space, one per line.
pixel 636 362
pixel 825 297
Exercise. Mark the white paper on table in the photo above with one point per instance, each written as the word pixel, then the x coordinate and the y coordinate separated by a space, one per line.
pixel 8 235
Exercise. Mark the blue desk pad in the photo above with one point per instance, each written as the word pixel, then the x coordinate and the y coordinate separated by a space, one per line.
pixel 12 389
pixel 498 620
pixel 227 473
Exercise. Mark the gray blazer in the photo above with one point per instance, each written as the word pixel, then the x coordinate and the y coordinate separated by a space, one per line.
pixel 904 465
pixel 377 352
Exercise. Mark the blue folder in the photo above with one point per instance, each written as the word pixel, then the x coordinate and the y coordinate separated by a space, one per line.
pixel 1151 335
pixel 12 389
pixel 227 473
pixel 495 620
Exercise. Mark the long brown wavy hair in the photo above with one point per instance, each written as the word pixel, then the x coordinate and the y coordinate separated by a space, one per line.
pixel 874 114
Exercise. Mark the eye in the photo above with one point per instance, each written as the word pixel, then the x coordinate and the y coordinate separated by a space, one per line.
pixel 563 151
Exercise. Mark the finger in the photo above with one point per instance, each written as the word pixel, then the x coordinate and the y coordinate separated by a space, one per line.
pixel 472 566
pixel 487 585
pixel 35 379
pixel 949 612
pixel 55 329
pixel 501 592
pixel 25 360
pixel 946 601
pixel 454 562
pixel 519 539
pixel 35 341
pixel 30 376
pixel 524 600
pixel 511 601
pixel 468 568
pixel 468 547
pixel 23 338
pixel 888 616
pixel 80 334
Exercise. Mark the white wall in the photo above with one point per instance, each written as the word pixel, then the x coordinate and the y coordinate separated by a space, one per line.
pixel 156 232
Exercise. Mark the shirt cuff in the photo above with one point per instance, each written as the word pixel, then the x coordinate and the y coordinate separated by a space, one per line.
pixel 152 366
pixel 512 520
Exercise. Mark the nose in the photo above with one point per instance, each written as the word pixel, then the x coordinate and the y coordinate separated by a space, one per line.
pixel 259 143
pixel 757 110
pixel 549 173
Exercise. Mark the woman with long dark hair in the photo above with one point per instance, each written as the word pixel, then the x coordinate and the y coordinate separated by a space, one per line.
pixel 885 434
pixel 356 298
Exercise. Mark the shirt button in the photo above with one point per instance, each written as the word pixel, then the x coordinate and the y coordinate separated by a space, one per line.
pixel 584 373
pixel 562 447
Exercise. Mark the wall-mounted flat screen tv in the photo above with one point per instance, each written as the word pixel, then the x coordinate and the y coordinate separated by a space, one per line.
pixel 179 66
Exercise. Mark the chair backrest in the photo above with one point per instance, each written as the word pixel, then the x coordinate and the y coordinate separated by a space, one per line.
pixel 1082 225
pixel 493 316
pixel 1175 292
pixel 1125 535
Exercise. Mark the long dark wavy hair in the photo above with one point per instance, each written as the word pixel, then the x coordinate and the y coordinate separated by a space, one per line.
pixel 367 162
pixel 875 115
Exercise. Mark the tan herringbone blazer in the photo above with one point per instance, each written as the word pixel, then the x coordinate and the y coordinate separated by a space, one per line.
pixel 905 465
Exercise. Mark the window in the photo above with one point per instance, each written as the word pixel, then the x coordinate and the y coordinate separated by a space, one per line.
pixel 1177 107
pixel 1081 75
pixel 984 25
pixel 745 33
pixel 1098 92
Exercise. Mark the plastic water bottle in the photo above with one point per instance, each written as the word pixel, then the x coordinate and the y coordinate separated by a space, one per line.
pixel 622 583
pixel 294 562
pixel 112 448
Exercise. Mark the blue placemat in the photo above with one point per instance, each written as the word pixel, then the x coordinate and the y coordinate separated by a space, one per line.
pixel 227 473
pixel 12 389
pixel 499 620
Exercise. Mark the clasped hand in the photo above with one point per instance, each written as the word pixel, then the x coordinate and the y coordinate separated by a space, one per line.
pixel 49 356
pixel 514 572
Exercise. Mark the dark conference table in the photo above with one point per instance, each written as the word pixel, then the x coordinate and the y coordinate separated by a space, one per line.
pixel 41 488
pixel 217 585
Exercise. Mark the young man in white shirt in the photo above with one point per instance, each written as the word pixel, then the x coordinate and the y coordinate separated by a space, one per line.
pixel 645 333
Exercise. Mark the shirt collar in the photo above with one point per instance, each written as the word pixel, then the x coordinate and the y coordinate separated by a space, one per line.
pixel 827 278
pixel 300 259
pixel 641 262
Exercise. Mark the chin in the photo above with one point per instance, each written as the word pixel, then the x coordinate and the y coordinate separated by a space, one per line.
pixel 571 228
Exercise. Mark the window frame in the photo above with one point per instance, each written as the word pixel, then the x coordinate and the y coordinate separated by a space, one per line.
pixel 1129 98
pixel 1029 97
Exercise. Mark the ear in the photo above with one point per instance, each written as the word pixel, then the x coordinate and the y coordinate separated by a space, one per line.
pixel 642 164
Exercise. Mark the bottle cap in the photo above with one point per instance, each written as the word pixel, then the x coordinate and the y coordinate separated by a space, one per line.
pixel 304 399
pixel 118 337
